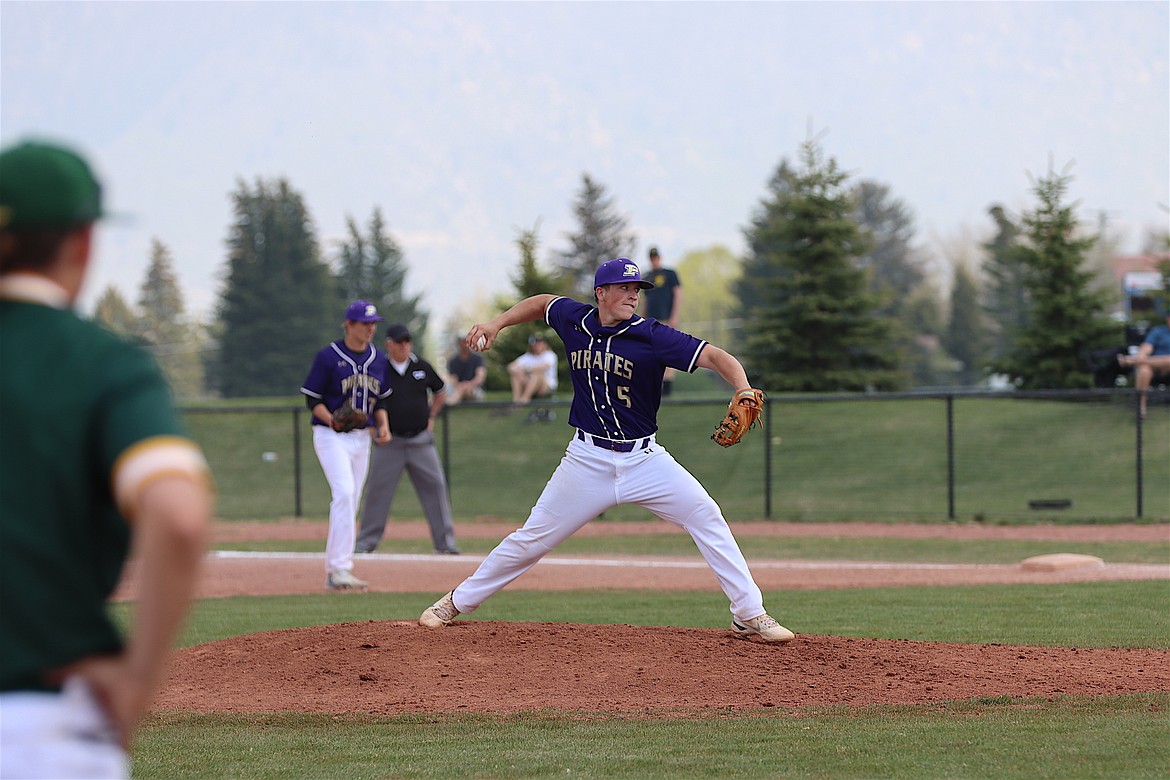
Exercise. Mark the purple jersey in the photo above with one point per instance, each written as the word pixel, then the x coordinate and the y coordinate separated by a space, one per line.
pixel 617 372
pixel 338 374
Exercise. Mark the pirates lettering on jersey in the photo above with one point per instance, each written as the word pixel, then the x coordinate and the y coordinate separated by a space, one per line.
pixel 617 371
pixel 589 360
pixel 370 385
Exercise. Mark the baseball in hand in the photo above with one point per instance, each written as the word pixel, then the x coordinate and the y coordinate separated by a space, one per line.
pixel 480 343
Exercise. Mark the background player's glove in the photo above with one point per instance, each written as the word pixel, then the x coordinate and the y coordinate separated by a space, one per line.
pixel 743 414
pixel 347 418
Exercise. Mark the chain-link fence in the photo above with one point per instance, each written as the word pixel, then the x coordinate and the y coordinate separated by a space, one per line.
pixel 1086 456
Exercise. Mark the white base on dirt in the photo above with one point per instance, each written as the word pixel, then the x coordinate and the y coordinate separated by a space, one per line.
pixel 1061 562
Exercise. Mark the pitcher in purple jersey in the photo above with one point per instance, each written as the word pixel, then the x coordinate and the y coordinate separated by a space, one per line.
pixel 616 361
pixel 349 369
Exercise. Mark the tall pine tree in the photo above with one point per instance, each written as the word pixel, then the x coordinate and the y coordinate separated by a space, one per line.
pixel 113 312
pixel 602 234
pixel 895 273
pixel 372 267
pixel 1006 296
pixel 811 324
pixel 1066 318
pixel 967 338
pixel 173 339
pixel 528 280
pixel 278 305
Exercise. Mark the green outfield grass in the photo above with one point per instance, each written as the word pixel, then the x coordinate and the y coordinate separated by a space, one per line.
pixel 787 547
pixel 1104 614
pixel 1064 737
pixel 880 459
pixel 858 459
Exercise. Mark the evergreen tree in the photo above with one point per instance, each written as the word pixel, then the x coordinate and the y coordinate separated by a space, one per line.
pixel 528 280
pixel 602 234
pixel 159 299
pixel 967 338
pixel 163 325
pixel 1006 294
pixel 896 279
pixel 757 275
pixel 353 271
pixel 116 315
pixel 894 271
pixel 279 304
pixel 1066 317
pixel 372 268
pixel 811 324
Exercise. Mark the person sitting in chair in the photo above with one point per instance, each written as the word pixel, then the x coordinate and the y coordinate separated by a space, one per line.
pixel 1152 360
pixel 534 374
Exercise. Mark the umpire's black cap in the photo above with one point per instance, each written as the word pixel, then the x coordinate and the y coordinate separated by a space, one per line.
pixel 398 332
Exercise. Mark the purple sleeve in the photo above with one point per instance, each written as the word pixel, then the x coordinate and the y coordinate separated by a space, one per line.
pixel 675 348
pixel 381 371
pixel 317 383
pixel 562 311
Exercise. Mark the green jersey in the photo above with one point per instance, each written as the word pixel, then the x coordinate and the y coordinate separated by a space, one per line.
pixel 74 398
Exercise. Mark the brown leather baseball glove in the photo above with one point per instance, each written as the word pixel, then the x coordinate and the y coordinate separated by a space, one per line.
pixel 743 414
pixel 347 418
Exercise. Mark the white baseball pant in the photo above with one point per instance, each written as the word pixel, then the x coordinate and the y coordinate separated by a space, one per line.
pixel 590 480
pixel 345 459
pixel 58 735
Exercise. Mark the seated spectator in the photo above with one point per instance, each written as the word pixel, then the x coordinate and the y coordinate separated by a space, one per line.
pixel 465 375
pixel 1152 360
pixel 534 374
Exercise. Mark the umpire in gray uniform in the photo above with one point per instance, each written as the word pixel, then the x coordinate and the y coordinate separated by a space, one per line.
pixel 416 397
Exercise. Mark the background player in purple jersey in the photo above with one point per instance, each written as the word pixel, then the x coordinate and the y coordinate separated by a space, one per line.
pixel 349 369
pixel 616 360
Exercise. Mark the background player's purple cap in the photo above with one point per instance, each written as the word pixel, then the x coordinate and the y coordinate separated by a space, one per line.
pixel 620 270
pixel 362 311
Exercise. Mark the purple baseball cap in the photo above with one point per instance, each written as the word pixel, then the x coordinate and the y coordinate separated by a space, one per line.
pixel 362 311
pixel 618 271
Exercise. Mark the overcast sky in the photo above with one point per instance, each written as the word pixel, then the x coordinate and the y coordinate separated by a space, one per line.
pixel 466 121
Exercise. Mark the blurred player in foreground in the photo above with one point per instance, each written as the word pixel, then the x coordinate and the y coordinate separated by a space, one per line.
pixel 616 361
pixel 93 461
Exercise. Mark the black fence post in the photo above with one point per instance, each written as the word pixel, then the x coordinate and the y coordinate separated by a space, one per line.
pixel 1138 465
pixel 447 447
pixel 296 462
pixel 768 466
pixel 950 457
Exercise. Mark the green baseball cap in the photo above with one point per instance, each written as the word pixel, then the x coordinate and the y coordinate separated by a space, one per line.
pixel 43 185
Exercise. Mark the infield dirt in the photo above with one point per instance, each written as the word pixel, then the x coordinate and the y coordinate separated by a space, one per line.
pixel 486 666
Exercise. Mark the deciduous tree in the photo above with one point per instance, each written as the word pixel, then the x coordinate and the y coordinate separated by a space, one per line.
pixel 710 309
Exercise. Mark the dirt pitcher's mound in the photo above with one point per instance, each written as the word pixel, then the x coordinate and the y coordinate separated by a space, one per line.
pixel 393 667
